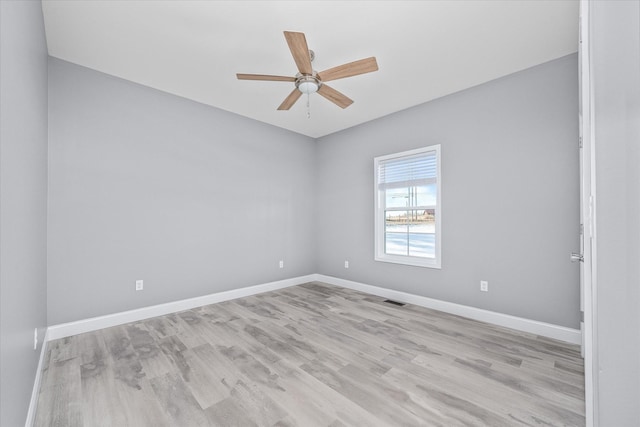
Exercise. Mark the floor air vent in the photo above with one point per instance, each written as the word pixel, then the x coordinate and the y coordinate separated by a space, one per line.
pixel 401 304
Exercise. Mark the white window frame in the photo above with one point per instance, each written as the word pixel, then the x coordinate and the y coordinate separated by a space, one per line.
pixel 380 209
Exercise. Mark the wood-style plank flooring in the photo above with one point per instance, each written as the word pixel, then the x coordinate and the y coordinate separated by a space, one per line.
pixel 310 355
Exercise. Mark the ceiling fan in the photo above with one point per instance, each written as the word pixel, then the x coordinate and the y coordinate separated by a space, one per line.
pixel 307 80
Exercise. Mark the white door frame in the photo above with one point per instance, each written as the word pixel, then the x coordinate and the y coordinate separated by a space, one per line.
pixel 588 276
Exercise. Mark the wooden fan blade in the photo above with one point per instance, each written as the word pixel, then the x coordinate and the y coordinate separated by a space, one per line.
pixel 334 96
pixel 290 100
pixel 265 77
pixel 300 51
pixel 354 68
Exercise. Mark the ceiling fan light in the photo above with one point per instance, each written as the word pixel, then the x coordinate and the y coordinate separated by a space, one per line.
pixel 308 87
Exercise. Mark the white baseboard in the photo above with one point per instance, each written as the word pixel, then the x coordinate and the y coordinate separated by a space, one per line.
pixel 33 404
pixel 92 324
pixel 561 333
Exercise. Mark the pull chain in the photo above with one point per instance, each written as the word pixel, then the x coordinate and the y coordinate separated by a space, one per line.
pixel 308 109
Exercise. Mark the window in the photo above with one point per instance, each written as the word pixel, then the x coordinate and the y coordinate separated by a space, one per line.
pixel 408 207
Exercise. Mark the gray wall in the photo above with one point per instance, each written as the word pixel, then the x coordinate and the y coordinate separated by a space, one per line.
pixel 615 38
pixel 23 198
pixel 147 185
pixel 509 195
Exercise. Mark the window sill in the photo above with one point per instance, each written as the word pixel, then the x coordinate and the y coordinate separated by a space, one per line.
pixel 411 261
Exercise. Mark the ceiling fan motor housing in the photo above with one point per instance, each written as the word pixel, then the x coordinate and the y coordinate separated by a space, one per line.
pixel 308 83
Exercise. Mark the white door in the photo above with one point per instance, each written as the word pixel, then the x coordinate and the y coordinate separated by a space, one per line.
pixel 586 257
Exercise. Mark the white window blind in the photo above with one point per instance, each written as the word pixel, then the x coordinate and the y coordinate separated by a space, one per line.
pixel 411 170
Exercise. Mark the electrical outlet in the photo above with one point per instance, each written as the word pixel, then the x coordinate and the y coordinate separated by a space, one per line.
pixel 281 264
pixel 139 285
pixel 35 339
pixel 484 286
pixel 346 264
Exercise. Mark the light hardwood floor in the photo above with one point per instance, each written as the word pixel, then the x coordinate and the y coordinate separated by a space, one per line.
pixel 310 355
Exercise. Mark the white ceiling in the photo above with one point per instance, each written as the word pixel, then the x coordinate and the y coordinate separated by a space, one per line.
pixel 425 49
